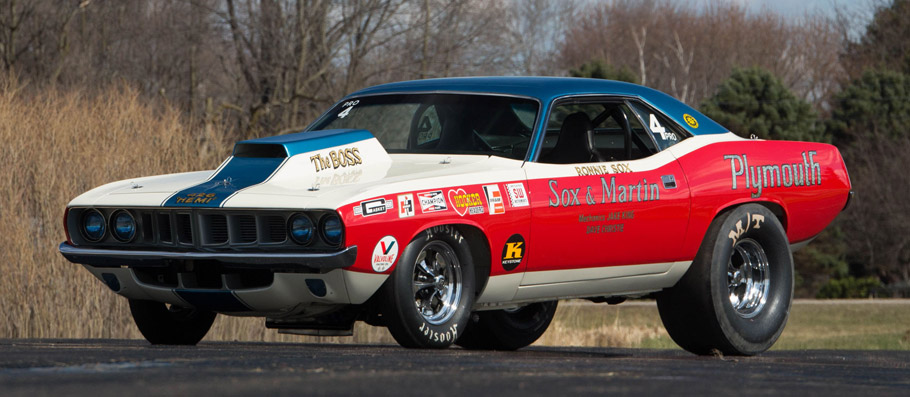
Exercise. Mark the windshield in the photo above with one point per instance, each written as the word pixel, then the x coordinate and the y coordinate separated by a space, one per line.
pixel 440 123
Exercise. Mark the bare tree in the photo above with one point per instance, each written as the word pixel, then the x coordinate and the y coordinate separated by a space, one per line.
pixel 688 51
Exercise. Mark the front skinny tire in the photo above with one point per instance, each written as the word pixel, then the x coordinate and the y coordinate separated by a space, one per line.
pixel 428 298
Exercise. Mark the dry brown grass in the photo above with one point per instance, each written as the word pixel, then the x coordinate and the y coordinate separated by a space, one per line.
pixel 578 323
pixel 55 145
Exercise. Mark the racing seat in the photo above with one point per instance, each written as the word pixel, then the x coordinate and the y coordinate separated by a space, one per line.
pixel 574 143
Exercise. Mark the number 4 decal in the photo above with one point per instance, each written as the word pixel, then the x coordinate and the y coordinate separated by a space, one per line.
pixel 659 129
pixel 344 113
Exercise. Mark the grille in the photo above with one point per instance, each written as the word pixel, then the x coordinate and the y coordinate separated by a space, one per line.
pixel 274 229
pixel 184 229
pixel 164 228
pixel 247 226
pixel 216 229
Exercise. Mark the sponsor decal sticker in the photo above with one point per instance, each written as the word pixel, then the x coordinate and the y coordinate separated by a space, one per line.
pixel 691 121
pixel 513 252
pixel 405 205
pixel 432 201
pixel 517 195
pixel 373 207
pixel 384 254
pixel 464 202
pixel 494 199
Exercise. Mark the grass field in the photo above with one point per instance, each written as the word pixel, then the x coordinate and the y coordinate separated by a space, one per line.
pixel 860 325
pixel 876 325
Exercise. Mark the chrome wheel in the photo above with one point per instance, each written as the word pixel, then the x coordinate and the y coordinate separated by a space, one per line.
pixel 437 282
pixel 748 278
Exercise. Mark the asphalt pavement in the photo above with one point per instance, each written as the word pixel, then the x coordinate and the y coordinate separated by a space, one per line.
pixel 135 368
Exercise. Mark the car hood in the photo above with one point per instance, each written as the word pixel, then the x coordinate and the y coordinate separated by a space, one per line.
pixel 320 169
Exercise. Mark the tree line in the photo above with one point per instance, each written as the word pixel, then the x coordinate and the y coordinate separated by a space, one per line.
pixel 269 66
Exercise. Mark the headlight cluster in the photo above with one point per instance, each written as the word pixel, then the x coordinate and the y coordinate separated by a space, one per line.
pixel 93 226
pixel 122 226
pixel 318 229
pixel 302 230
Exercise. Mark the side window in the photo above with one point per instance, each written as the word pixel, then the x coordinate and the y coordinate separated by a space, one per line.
pixel 594 131
pixel 427 125
pixel 614 143
pixel 664 131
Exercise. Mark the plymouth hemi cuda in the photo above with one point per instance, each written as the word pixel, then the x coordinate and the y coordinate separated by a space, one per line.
pixel 459 211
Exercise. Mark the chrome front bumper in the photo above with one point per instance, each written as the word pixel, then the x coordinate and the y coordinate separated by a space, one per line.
pixel 279 261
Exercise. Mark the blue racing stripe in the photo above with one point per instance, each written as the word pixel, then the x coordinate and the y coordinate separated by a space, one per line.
pixel 241 172
pixel 238 173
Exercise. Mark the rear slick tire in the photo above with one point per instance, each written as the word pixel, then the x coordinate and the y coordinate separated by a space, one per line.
pixel 174 325
pixel 735 298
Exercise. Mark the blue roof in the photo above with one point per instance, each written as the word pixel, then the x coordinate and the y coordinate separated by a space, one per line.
pixel 547 89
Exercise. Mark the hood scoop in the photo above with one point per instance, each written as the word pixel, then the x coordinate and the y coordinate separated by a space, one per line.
pixel 283 146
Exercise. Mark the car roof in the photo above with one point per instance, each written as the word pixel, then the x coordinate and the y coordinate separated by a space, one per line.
pixel 548 89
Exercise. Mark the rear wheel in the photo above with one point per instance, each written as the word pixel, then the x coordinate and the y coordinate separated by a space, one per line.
pixel 735 298
pixel 428 297
pixel 509 329
pixel 163 324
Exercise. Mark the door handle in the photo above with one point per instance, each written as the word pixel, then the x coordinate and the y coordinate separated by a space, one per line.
pixel 669 181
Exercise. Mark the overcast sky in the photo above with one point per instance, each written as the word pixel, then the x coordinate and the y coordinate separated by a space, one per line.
pixel 860 10
pixel 800 7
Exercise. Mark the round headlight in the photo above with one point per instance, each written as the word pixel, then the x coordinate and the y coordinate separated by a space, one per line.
pixel 123 226
pixel 332 229
pixel 301 229
pixel 93 226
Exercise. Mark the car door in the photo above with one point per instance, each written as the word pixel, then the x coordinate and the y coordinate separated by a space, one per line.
pixel 603 193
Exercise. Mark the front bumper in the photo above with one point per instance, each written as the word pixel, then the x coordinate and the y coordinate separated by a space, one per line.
pixel 278 261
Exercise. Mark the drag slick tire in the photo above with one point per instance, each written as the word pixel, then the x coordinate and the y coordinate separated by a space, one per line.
pixel 735 298
pixel 428 298
pixel 162 324
pixel 509 329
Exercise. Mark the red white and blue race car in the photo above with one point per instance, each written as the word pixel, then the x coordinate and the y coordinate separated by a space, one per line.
pixel 460 210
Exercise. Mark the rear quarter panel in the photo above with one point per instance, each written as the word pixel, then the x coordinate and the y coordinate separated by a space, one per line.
pixel 807 180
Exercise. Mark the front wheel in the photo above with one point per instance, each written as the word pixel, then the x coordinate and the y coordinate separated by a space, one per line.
pixel 428 297
pixel 508 329
pixel 735 298
pixel 161 324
